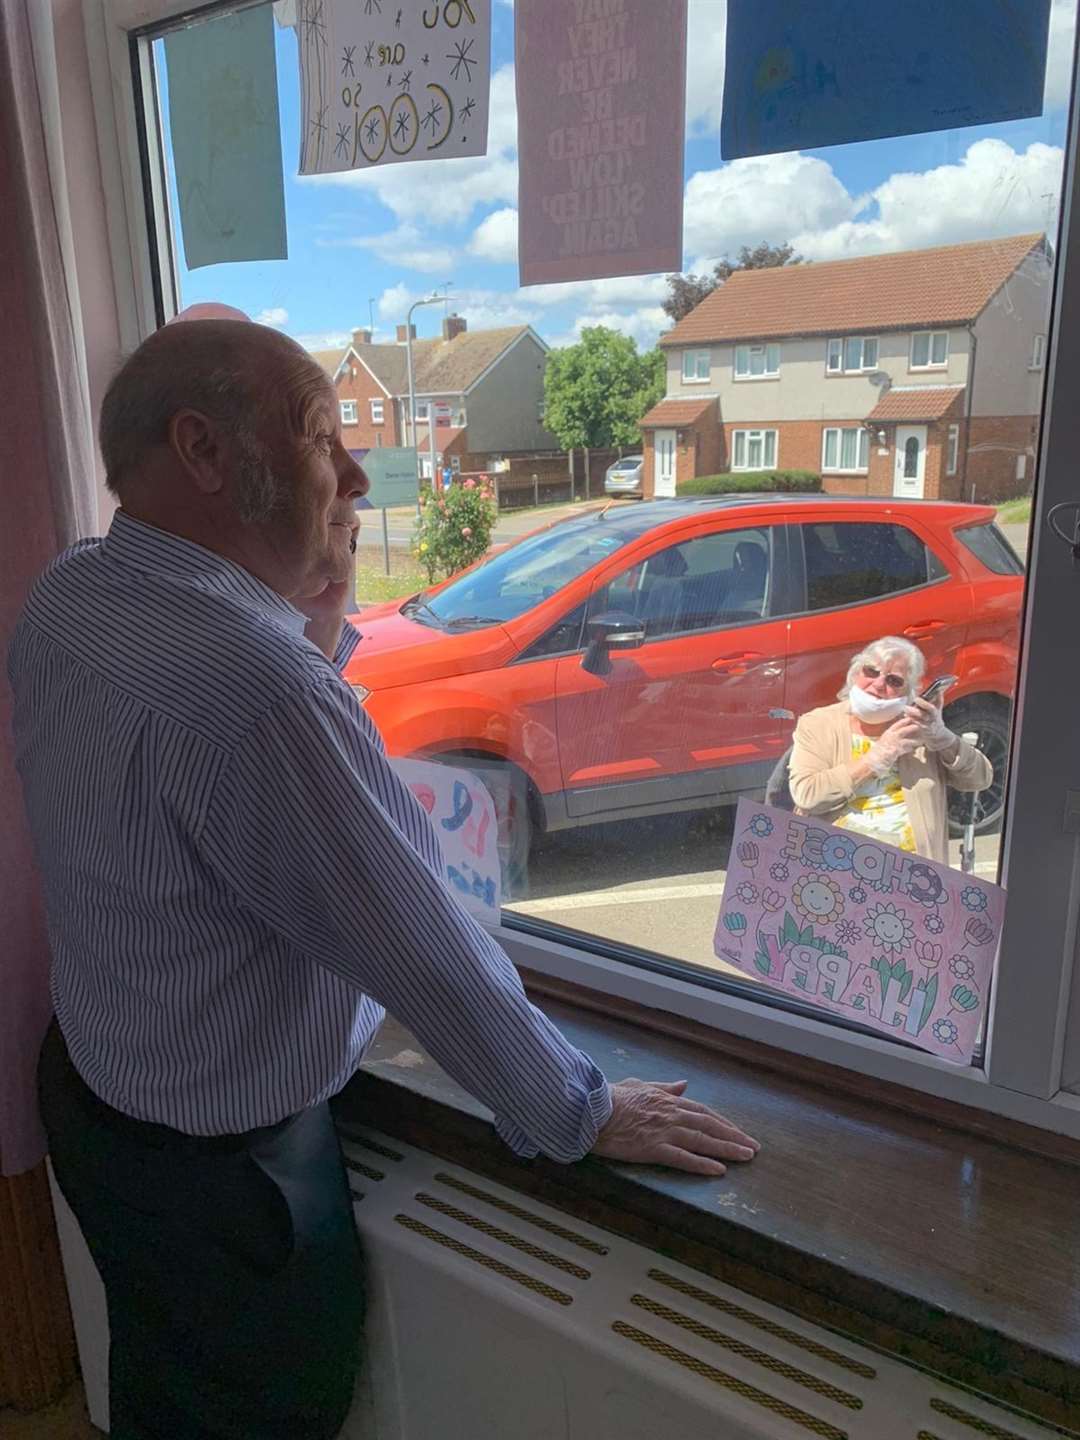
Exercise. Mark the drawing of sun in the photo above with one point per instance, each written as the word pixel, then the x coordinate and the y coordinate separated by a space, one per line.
pixel 889 926
pixel 817 897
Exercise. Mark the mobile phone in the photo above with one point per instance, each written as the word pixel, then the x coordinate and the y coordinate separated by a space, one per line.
pixel 937 688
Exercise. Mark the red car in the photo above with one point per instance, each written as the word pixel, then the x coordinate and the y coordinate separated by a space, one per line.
pixel 635 660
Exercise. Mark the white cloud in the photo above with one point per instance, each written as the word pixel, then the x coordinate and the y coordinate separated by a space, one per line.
pixel 644 325
pixel 594 294
pixel 448 191
pixel 496 237
pixel 404 246
pixel 706 36
pixel 482 309
pixel 324 340
pixel 275 315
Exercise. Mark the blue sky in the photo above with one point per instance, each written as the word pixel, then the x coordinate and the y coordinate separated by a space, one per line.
pixel 388 235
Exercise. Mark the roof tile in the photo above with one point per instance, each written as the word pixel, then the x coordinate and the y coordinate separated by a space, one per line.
pixel 675 412
pixel 929 404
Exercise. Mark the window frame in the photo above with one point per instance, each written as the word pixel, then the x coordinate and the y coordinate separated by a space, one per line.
pixel 353 418
pixel 377 402
pixel 931 363
pixel 1033 1039
pixel 1038 353
pixel 839 431
pixel 697 378
pixel 764 346
pixel 744 433
pixel 843 341
pixel 952 450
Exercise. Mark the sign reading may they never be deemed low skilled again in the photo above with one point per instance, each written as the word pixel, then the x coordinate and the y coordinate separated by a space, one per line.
pixel 860 929
pixel 385 81
pixel 601 98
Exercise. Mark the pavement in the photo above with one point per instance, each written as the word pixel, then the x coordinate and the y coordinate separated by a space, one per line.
pixel 510 525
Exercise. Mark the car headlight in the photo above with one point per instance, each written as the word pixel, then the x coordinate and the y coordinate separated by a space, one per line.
pixel 361 692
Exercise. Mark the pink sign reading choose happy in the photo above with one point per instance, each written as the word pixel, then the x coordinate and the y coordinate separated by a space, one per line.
pixel 860 929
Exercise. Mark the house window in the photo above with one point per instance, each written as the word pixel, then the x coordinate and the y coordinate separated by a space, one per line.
pixel 695 366
pixel 846 449
pixel 929 349
pixel 753 449
pixel 953 450
pixel 1038 352
pixel 421 410
pixel 376 412
pixel 853 353
pixel 378 439
pixel 756 362
pixel 348 412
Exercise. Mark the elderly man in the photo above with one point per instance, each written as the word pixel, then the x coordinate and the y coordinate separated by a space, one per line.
pixel 237 884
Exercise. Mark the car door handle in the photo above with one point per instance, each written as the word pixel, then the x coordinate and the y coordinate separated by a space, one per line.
pixel 737 664
pixel 923 629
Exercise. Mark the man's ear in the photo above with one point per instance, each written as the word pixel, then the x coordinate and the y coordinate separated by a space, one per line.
pixel 197 442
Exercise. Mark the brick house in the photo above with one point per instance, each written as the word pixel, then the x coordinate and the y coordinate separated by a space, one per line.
pixel 917 373
pixel 483 389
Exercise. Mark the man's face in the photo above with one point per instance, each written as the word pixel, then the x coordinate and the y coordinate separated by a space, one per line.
pixel 298 484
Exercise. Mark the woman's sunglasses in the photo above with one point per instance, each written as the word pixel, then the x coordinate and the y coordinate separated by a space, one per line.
pixel 894 682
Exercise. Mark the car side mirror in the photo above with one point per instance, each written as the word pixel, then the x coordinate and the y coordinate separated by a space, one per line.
pixel 614 630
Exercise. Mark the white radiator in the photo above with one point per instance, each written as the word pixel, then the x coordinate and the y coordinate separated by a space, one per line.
pixel 494 1317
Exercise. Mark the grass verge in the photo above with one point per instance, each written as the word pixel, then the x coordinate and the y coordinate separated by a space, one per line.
pixel 1015 512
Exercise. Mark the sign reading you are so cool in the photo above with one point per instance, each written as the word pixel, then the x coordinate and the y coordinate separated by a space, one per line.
pixel 861 929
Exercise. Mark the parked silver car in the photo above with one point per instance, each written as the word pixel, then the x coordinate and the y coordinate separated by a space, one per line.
pixel 624 477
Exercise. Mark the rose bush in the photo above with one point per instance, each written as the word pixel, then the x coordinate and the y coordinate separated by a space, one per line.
pixel 454 527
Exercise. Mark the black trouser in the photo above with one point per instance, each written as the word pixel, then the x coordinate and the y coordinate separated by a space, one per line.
pixel 231 1267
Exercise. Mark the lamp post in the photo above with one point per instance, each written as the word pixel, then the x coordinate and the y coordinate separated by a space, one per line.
pixel 410 429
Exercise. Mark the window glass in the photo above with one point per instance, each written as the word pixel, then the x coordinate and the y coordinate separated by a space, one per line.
pixel 990 548
pixel 701 584
pixel 846 562
pixel 637 767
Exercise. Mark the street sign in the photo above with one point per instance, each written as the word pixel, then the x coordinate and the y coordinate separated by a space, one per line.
pixel 392 473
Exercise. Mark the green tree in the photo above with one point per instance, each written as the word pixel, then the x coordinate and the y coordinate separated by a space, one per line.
pixel 686 292
pixel 596 391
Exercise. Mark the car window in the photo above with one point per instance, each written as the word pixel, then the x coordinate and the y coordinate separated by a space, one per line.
pixel 848 561
pixel 990 548
pixel 564 637
pixel 700 584
pixel 515 580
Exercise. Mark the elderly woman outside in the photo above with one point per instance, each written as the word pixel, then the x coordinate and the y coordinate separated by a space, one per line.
pixel 879 761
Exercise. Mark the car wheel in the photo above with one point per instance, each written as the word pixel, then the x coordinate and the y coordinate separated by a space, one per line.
pixel 988 717
pixel 509 789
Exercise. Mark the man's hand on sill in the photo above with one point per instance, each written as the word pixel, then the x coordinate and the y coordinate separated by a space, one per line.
pixel 656 1124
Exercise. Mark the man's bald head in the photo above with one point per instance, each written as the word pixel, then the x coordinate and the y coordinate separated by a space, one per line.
pixel 236 375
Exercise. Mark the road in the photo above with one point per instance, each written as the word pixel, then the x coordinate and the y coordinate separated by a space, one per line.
pixel 654 884
pixel 511 525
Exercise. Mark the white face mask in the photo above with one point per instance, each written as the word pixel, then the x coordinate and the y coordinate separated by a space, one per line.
pixel 865 706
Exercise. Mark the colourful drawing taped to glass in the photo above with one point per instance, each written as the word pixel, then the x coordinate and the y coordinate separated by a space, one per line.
pixel 860 929
pixel 463 815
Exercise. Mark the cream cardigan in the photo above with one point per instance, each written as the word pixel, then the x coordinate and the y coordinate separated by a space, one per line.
pixel 820 777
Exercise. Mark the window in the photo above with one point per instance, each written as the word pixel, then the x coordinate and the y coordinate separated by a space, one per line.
pixel 422 410
pixel 377 412
pixel 848 562
pixel 348 412
pixel 1038 352
pixel 990 548
pixel 695 366
pixel 378 439
pixel 846 449
pixel 855 353
pixel 702 584
pixel 953 450
pixel 753 449
pixel 756 362
pixel 929 349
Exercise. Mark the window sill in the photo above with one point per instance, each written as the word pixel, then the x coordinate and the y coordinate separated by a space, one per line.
pixel 923 369
pixel 828 470
pixel 698 380
pixel 753 379
pixel 940 1246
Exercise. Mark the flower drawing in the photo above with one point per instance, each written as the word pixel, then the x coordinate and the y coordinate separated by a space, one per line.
pixel 771 899
pixel 978 932
pixel 847 932
pixel 747 893
pixel 972 899
pixel 963 967
pixel 749 854
pixel 889 926
pixel 963 999
pixel 929 953
pixel 934 923
pixel 857 895
pixel 734 923
pixel 779 872
pixel 817 897
pixel 761 826
pixel 945 1032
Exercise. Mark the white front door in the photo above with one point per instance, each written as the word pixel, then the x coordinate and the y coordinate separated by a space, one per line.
pixel 910 470
pixel 664 445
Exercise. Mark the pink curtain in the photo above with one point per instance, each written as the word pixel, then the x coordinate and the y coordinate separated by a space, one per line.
pixel 46 500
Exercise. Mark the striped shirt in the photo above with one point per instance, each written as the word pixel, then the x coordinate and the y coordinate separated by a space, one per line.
pixel 236 882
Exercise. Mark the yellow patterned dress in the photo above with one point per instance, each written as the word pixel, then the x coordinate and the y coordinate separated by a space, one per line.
pixel 878 807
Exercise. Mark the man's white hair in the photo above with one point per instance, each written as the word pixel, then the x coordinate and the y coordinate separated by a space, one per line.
pixel 881 654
